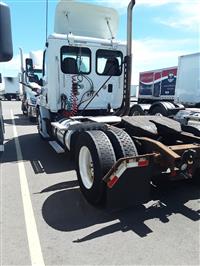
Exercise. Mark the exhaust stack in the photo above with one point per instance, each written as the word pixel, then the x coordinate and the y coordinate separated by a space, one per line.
pixel 129 27
pixel 128 61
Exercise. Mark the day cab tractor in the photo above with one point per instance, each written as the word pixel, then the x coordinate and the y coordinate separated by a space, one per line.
pixel 29 78
pixel 84 106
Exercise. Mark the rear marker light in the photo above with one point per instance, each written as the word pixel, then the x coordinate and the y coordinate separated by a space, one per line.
pixel 143 163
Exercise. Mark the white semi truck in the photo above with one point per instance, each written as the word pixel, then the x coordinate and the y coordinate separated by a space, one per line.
pixel 84 106
pixel 30 76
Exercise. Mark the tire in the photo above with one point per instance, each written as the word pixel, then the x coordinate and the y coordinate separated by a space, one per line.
pixel 39 125
pixel 32 119
pixel 8 97
pixel 158 110
pixel 136 110
pixel 24 109
pixel 122 143
pixel 94 157
pixel 25 112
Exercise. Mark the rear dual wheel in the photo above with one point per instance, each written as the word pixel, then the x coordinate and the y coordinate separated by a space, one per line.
pixel 96 153
pixel 136 110
pixel 159 111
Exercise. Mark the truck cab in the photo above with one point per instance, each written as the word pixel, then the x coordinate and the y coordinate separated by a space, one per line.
pixel 83 70
pixel 30 79
pixel 81 66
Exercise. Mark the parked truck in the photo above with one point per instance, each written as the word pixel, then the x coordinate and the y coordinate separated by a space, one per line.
pixel 6 54
pixel 170 91
pixel 84 108
pixel 10 88
pixel 156 94
pixel 29 80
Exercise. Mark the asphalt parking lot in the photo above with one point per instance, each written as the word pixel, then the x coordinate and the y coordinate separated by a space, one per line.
pixel 46 221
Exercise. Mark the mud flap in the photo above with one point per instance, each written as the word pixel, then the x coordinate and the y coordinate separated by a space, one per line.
pixel 132 188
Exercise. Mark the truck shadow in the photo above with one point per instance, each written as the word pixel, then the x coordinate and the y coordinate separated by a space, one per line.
pixel 74 213
pixel 20 120
pixel 41 156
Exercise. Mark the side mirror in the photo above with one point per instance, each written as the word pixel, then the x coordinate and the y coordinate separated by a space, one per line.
pixel 6 47
pixel 30 71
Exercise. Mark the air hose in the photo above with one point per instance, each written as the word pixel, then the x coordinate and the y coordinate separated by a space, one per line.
pixel 70 106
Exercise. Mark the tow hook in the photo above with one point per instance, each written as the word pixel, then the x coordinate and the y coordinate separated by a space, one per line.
pixel 187 160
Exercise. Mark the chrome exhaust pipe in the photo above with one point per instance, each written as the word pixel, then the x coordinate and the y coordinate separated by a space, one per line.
pixel 128 60
pixel 129 27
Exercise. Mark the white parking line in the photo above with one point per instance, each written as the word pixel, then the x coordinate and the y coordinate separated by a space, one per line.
pixel 31 228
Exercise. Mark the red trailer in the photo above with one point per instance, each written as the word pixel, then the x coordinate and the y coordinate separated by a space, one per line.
pixel 158 84
pixel 157 93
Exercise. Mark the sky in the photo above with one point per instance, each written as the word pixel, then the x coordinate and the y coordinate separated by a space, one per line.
pixel 162 30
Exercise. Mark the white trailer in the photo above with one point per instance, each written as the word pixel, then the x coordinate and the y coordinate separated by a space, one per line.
pixel 84 106
pixel 10 88
pixel 188 90
pixel 188 80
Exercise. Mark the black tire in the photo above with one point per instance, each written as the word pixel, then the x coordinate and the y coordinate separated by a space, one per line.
pixel 122 143
pixel 25 112
pixel 136 110
pixel 97 145
pixel 32 119
pixel 8 97
pixel 158 110
pixel 39 125
pixel 24 109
